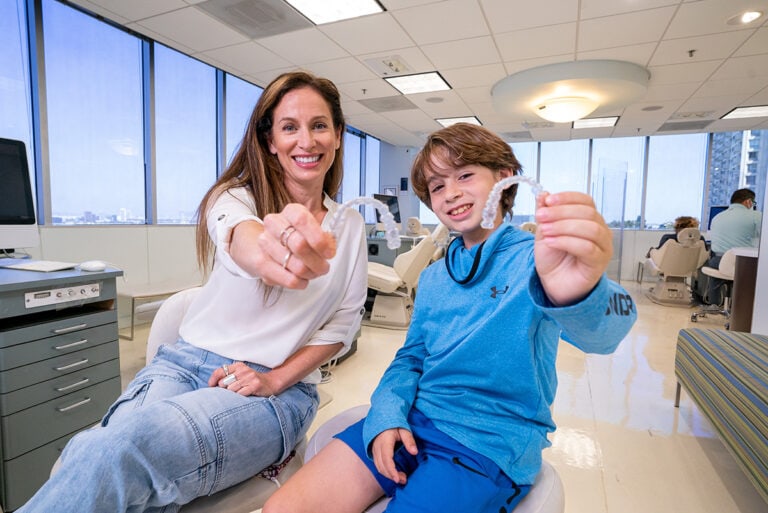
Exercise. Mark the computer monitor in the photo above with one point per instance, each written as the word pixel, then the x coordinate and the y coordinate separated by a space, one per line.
pixel 713 211
pixel 18 226
pixel 392 204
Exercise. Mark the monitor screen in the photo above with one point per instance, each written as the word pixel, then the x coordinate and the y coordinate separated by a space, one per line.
pixel 18 227
pixel 713 211
pixel 391 203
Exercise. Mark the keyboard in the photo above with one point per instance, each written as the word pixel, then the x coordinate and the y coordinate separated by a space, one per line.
pixel 44 266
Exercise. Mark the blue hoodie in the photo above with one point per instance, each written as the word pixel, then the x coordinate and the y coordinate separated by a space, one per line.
pixel 479 357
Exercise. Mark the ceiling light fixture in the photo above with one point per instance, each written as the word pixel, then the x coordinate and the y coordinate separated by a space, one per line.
pixel 596 122
pixel 446 122
pixel 567 91
pixel 329 11
pixel 744 18
pixel 419 83
pixel 758 111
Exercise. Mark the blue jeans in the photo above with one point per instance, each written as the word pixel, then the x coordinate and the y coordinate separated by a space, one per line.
pixel 170 438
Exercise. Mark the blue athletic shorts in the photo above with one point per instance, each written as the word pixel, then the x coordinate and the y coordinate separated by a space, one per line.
pixel 443 476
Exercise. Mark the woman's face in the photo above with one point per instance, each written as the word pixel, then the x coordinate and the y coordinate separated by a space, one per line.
pixel 304 138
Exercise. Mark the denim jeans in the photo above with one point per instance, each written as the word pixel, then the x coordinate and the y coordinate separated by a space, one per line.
pixel 170 438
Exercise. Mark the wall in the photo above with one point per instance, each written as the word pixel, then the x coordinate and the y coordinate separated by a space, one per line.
pixel 396 164
pixel 760 320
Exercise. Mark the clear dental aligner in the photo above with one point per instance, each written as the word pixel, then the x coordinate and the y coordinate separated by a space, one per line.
pixel 391 233
pixel 492 205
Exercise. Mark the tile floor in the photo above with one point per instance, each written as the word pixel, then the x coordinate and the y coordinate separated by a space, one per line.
pixel 621 445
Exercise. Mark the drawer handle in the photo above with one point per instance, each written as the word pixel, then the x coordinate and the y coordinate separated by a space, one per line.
pixel 65 367
pixel 72 406
pixel 73 344
pixel 71 328
pixel 73 385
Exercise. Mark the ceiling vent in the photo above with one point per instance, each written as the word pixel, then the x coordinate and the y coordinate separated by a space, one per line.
pixel 702 114
pixel 684 125
pixel 256 18
pixel 517 136
pixel 533 125
pixel 388 103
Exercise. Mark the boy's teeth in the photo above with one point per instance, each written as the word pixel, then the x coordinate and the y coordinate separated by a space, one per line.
pixel 460 210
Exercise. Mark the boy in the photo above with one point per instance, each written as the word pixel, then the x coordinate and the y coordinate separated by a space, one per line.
pixel 460 417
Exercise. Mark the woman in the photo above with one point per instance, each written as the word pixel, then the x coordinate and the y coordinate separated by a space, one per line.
pixel 237 391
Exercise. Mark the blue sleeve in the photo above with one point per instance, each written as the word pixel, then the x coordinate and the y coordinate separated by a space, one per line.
pixel 598 322
pixel 396 392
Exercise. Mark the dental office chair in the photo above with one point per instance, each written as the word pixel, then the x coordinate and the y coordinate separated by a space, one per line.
pixel 252 493
pixel 725 271
pixel 674 263
pixel 547 494
pixel 414 228
pixel 395 286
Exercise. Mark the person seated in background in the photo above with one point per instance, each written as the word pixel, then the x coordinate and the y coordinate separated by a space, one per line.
pixel 460 417
pixel 681 223
pixel 737 227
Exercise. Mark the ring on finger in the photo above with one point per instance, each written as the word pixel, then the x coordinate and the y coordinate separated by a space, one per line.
pixel 286 234
pixel 228 380
pixel 226 369
pixel 286 258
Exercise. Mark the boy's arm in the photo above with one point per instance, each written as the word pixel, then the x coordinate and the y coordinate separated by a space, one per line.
pixel 573 246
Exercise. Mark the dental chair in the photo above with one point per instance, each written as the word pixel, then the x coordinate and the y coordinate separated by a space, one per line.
pixel 547 494
pixel 395 286
pixel 674 263
pixel 251 494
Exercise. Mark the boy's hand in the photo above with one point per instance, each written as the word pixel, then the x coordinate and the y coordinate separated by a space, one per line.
pixel 383 449
pixel 573 246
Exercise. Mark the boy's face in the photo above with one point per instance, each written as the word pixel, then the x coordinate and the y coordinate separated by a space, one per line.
pixel 458 196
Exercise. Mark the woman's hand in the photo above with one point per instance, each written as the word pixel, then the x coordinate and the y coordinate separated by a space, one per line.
pixel 243 380
pixel 573 246
pixel 288 250
pixel 383 449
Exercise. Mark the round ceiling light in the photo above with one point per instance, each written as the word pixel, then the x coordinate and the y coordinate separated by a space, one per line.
pixel 603 85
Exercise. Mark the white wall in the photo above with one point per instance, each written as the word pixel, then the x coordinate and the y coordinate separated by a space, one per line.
pixel 395 164
pixel 760 308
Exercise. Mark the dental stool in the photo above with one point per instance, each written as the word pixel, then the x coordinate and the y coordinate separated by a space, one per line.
pixel 546 495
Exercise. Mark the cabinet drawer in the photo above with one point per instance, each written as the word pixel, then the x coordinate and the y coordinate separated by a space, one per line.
pixel 27 473
pixel 38 372
pixel 23 354
pixel 54 388
pixel 24 329
pixel 34 427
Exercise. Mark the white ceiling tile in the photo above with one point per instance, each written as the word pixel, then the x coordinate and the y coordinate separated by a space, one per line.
pixel 756 44
pixel 136 9
pixel 737 87
pixel 661 92
pixel 639 54
pixel 624 29
pixel 444 21
pixel 365 89
pixel 415 119
pixel 369 34
pixel 412 58
pixel 708 17
pixel 515 66
pixel 601 8
pixel 248 57
pixel 473 76
pixel 459 54
pixel 194 29
pixel 715 46
pixel 743 67
pixel 506 16
pixel 537 42
pixel 687 72
pixel 342 70
pixel 161 38
pixel 451 106
pixel 303 46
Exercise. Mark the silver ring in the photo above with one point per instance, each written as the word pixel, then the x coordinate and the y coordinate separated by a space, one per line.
pixel 228 380
pixel 286 258
pixel 286 234
pixel 226 369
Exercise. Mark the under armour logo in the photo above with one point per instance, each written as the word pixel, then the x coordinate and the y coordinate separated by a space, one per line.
pixel 495 291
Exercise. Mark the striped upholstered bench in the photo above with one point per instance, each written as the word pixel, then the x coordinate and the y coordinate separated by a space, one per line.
pixel 726 375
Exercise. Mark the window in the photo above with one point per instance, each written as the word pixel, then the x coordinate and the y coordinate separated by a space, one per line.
pixel 350 185
pixel 15 93
pixel 185 131
pixel 525 202
pixel 617 179
pixel 564 165
pixel 241 97
pixel 95 131
pixel 676 165
pixel 372 158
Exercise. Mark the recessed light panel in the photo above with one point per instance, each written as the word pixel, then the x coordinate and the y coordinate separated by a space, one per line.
pixel 595 122
pixel 446 122
pixel 329 11
pixel 421 83
pixel 758 111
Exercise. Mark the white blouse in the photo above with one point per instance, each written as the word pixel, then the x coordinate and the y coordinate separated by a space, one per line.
pixel 229 316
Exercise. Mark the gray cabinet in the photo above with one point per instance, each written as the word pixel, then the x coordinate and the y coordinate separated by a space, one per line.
pixel 59 369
